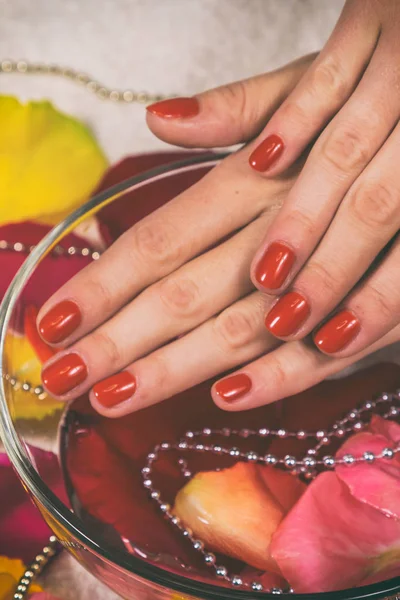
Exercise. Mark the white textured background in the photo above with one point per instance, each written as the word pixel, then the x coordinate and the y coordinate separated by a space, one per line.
pixel 164 46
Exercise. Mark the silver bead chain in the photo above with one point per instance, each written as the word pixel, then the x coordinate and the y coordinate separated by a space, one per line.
pixel 35 569
pixel 93 86
pixel 308 466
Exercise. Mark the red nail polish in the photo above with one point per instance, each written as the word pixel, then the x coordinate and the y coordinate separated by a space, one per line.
pixel 274 267
pixel 288 314
pixel 234 387
pixel 338 332
pixel 267 153
pixel 175 108
pixel 60 322
pixel 65 374
pixel 115 389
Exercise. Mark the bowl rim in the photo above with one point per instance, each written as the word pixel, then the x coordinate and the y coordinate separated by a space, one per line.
pixel 44 495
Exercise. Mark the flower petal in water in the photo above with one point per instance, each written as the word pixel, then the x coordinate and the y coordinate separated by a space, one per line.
pixel 236 511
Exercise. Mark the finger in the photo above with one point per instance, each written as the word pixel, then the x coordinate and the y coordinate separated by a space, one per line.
pixel 320 93
pixel 233 337
pixel 227 115
pixel 338 158
pixel 290 369
pixel 168 309
pixel 157 246
pixel 366 221
pixel 370 312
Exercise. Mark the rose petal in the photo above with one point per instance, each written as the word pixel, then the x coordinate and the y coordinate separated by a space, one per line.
pixel 49 162
pixel 237 510
pixel 330 541
pixel 23 533
pixel 376 484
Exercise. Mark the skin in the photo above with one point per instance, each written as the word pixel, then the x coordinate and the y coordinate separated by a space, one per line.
pixel 337 207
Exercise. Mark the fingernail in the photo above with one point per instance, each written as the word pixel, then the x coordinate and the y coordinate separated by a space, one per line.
pixel 115 389
pixel 60 322
pixel 175 108
pixel 287 315
pixel 267 153
pixel 234 387
pixel 64 374
pixel 338 332
pixel 275 265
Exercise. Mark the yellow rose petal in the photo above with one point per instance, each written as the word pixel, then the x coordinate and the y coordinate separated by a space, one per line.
pixel 22 362
pixel 49 162
pixel 11 571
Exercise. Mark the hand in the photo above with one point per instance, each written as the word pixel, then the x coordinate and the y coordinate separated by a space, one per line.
pixel 335 244
pixel 149 287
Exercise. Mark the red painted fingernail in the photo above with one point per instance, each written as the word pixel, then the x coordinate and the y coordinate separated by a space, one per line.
pixel 234 387
pixel 275 266
pixel 287 315
pixel 175 108
pixel 115 389
pixel 60 322
pixel 267 153
pixel 338 332
pixel 64 374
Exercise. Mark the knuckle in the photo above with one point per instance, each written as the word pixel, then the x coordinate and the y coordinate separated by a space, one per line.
pixel 375 204
pixel 238 102
pixel 160 374
pixel 100 293
pixel 293 112
pixel 277 374
pixel 236 328
pixel 326 280
pixel 302 222
pixel 326 80
pixel 110 351
pixel 380 302
pixel 181 295
pixel 156 243
pixel 234 98
pixel 346 148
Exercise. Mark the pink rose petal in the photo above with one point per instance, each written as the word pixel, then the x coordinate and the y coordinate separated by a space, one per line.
pixel 376 484
pixel 331 541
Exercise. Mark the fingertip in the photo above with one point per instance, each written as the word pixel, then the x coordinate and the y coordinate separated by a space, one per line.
pixel 175 108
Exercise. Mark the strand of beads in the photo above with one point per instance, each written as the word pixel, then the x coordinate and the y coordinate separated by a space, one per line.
pixel 58 250
pixel 307 466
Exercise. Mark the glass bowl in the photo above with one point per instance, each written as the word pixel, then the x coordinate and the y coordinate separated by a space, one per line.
pixel 129 576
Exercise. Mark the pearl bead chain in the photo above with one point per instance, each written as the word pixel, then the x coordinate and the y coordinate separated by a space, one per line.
pixel 91 85
pixel 307 466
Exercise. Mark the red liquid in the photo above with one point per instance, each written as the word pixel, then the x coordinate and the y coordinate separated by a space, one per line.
pixel 102 459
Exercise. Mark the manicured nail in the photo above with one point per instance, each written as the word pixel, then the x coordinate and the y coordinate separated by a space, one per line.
pixel 267 153
pixel 175 108
pixel 115 389
pixel 234 387
pixel 64 374
pixel 287 315
pixel 338 332
pixel 60 322
pixel 275 265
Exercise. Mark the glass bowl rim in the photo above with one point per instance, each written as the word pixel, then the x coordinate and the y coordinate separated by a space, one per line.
pixel 39 489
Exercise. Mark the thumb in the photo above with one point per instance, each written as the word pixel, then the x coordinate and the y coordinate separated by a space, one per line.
pixel 230 114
